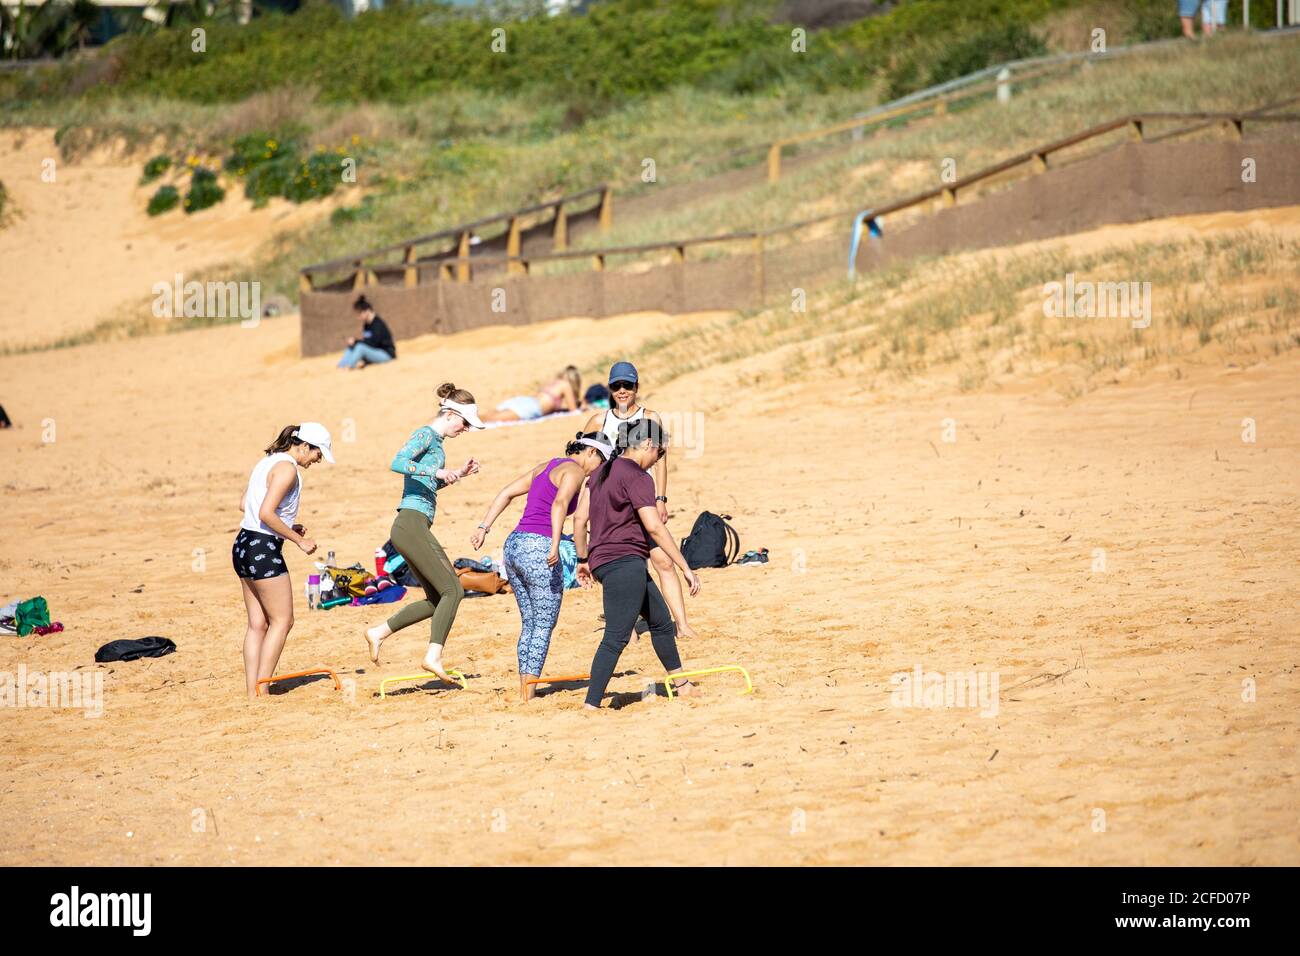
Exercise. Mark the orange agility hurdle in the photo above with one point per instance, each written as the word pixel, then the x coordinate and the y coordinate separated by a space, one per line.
pixel 556 680
pixel 314 670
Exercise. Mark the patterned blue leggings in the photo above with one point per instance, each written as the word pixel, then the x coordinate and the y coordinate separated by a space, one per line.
pixel 538 589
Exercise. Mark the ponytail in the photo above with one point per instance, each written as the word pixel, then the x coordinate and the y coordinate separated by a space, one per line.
pixel 630 435
pixel 284 441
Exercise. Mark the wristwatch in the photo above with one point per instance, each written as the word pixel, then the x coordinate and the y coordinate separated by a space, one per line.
pixel 663 498
pixel 582 560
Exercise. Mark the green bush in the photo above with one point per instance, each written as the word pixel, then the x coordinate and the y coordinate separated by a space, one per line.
pixel 204 192
pixel 164 200
pixel 255 149
pixel 315 178
pixel 155 168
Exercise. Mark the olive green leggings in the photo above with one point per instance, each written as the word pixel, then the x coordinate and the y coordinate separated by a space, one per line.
pixel 414 541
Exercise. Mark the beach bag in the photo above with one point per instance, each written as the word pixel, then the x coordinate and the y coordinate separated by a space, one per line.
pixel 128 650
pixel 485 582
pixel 712 542
pixel 351 581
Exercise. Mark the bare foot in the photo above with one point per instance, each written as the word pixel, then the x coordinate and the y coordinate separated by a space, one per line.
pixel 374 637
pixel 589 709
pixel 433 664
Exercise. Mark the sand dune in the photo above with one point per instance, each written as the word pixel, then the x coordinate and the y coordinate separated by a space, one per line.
pixel 1121 733
pixel 82 248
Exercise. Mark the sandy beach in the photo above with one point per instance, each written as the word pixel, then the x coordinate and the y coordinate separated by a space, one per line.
pixel 1123 563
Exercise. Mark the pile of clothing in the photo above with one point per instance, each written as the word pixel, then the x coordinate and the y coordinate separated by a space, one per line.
pixel 28 617
pixel 355 585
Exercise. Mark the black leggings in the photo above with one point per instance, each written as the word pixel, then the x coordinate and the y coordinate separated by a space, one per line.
pixel 629 593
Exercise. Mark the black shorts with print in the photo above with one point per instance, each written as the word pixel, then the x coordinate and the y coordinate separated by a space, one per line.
pixel 257 555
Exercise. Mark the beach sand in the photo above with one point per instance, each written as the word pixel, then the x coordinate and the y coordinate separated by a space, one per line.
pixel 1123 563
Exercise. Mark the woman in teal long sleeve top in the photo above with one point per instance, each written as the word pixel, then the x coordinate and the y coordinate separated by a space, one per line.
pixel 422 463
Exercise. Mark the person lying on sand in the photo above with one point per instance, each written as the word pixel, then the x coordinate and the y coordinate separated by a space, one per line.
pixel 561 395
pixel 422 464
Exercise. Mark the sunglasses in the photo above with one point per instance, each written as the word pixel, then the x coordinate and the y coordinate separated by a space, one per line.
pixel 622 386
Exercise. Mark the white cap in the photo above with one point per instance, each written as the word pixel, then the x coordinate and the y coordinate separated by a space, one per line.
pixel 468 412
pixel 314 433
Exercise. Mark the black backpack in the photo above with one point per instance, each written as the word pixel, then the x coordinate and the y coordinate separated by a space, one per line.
pixel 712 542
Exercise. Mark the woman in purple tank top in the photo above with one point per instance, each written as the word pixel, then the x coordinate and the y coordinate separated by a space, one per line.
pixel 532 551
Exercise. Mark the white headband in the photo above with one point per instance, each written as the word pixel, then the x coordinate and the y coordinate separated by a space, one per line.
pixel 605 449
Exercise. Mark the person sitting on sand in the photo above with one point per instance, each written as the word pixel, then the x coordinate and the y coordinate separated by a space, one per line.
pixel 270 505
pixel 561 395
pixel 376 342
pixel 422 464
pixel 620 507
pixel 532 550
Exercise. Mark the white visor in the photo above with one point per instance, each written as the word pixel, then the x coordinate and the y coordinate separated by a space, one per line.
pixel 467 412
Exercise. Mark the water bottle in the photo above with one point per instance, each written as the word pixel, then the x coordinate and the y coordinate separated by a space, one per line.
pixel 313 591
pixel 329 560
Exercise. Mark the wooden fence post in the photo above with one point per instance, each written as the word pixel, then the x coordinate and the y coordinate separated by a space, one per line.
pixel 560 234
pixel 512 247
pixel 1135 130
pixel 462 253
pixel 606 208
pixel 774 163
pixel 411 277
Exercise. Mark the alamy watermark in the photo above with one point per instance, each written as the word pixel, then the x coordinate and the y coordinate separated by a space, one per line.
pixel 934 689
pixel 208 300
pixel 76 690
pixel 1085 299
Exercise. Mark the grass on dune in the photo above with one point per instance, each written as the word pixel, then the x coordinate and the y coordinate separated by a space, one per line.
pixel 980 320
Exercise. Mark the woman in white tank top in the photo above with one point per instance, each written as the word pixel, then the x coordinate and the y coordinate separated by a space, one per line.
pixel 623 408
pixel 270 506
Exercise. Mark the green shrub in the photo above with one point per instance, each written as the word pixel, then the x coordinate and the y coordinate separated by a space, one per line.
pixel 164 200
pixel 204 191
pixel 155 168
pixel 250 151
pixel 315 178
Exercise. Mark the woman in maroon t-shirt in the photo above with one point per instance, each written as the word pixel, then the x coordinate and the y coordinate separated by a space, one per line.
pixel 625 525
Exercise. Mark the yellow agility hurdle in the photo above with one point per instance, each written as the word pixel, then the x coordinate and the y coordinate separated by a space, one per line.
pixel 667 679
pixel 383 684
